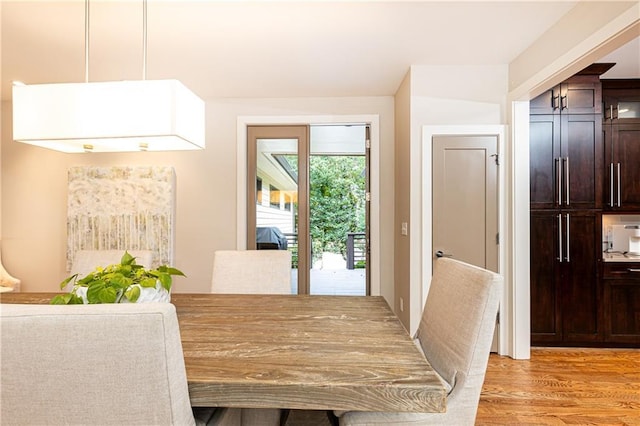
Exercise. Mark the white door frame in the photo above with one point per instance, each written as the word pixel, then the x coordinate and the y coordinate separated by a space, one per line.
pixel 374 162
pixel 428 132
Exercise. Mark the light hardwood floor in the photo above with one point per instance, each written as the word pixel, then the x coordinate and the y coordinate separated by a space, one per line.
pixel 560 386
pixel 557 386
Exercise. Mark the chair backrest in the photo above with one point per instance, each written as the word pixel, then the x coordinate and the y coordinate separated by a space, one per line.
pixel 85 261
pixel 456 331
pixel 110 364
pixel 251 272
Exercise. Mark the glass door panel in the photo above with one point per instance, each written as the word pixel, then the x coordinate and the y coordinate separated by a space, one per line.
pixel 276 183
pixel 629 109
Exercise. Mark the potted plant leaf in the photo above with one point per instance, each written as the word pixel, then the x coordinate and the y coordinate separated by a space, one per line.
pixel 126 282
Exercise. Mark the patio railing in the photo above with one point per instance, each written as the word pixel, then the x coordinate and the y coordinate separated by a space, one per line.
pixel 292 246
pixel 356 250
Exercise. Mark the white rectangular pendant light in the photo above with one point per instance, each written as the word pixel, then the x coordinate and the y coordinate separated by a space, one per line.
pixel 120 116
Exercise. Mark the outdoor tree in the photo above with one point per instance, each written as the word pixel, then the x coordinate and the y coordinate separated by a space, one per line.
pixel 337 201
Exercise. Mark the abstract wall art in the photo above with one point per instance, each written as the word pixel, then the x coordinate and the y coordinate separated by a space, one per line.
pixel 122 207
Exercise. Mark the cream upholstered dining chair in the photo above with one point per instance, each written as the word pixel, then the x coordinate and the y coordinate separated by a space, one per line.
pixel 251 272
pixel 111 364
pixel 455 333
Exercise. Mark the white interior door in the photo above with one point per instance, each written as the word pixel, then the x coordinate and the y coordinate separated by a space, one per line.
pixel 465 200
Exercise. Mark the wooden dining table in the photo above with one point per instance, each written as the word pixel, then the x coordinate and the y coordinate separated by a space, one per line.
pixel 297 351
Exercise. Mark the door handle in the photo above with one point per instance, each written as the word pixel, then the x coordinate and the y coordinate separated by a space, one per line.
pixel 440 253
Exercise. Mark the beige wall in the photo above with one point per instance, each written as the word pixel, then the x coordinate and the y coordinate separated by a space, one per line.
pixel 0 129
pixel 440 96
pixel 35 188
pixel 402 199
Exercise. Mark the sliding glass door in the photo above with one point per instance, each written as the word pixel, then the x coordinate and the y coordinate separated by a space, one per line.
pixel 307 192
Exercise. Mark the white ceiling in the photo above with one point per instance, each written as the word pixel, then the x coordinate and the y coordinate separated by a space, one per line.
pixel 268 48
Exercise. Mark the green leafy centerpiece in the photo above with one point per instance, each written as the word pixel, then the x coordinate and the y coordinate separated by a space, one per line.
pixel 126 282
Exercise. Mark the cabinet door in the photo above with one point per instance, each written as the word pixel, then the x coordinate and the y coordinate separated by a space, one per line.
pixel 621 98
pixel 546 103
pixel 565 161
pixel 546 314
pixel 621 109
pixel 582 161
pixel 544 153
pixel 623 311
pixel 581 296
pixel 610 181
pixel 581 96
pixel 623 171
pixel 577 95
pixel 622 303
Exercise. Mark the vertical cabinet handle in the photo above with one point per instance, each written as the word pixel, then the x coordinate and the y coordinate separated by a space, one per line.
pixel 560 238
pixel 619 191
pixel 568 238
pixel 562 171
pixel 611 184
pixel 559 179
pixel 566 179
pixel 563 102
pixel 554 100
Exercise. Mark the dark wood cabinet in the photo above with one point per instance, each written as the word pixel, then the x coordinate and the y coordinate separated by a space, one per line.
pixel 581 295
pixel 546 309
pixel 566 175
pixel 622 302
pixel 580 94
pixel 621 127
pixel 584 159
pixel 621 100
pixel 544 161
pixel 565 289
pixel 566 158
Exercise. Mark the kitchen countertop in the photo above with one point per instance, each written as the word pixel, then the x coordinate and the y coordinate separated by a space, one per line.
pixel 619 257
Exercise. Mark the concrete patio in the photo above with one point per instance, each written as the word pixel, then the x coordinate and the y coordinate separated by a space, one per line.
pixel 341 282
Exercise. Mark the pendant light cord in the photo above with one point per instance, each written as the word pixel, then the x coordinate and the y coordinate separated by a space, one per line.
pixel 86 41
pixel 144 39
